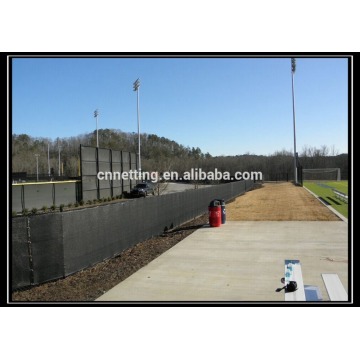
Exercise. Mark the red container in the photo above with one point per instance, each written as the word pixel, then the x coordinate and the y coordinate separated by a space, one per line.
pixel 215 216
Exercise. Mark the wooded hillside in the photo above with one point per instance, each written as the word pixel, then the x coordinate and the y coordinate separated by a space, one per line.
pixel 162 154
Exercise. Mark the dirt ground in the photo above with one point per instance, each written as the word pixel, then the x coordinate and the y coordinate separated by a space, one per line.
pixel 278 202
pixel 273 201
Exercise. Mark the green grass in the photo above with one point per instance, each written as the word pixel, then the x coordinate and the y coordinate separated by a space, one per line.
pixel 328 195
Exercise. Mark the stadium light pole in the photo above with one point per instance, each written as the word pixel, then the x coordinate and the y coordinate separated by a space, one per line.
pixel 37 166
pixel 293 68
pixel 136 88
pixel 96 114
pixel 49 158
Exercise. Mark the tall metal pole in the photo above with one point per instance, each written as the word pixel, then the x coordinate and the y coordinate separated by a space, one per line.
pixel 49 158
pixel 138 121
pixel 59 161
pixel 37 166
pixel 293 68
pixel 96 114
pixel 136 88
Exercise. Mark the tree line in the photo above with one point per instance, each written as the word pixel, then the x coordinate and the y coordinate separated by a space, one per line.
pixel 162 154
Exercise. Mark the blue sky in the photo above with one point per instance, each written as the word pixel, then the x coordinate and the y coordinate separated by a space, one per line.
pixel 224 106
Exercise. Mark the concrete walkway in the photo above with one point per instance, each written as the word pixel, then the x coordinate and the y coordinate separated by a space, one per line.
pixel 239 261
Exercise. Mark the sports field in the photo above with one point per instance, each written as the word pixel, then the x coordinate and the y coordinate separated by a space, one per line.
pixel 324 190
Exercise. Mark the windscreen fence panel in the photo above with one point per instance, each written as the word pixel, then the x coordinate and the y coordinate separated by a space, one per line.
pixel 46 241
pixel 50 246
pixel 126 166
pixel 105 166
pixel 20 260
pixel 89 170
pixel 116 168
pixel 32 195
pixel 105 161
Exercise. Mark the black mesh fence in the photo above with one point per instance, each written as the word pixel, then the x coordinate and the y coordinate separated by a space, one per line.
pixel 38 195
pixel 89 171
pixel 29 196
pixel 116 168
pixel 104 165
pixel 105 161
pixel 133 166
pixel 126 166
pixel 20 259
pixel 63 243
pixel 17 198
pixel 46 240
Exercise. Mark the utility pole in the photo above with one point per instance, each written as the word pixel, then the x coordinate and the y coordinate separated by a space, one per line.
pixel 136 88
pixel 49 157
pixel 96 114
pixel 293 68
pixel 59 161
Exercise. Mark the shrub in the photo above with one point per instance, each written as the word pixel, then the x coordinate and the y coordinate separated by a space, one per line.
pixel 34 210
pixel 81 202
pixel 44 208
pixel 76 204
pixel 25 212
pixel 70 204
pixel 53 207
pixel 61 207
